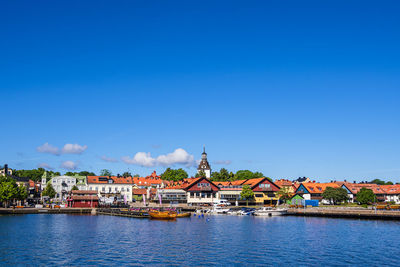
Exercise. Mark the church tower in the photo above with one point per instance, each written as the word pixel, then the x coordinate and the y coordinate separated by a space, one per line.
pixel 204 165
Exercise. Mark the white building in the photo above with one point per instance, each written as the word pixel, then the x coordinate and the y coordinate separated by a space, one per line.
pixel 111 187
pixel 204 165
pixel 61 184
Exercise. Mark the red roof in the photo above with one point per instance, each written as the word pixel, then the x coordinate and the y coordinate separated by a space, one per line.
pixel 139 191
pixel 94 198
pixel 84 192
pixel 377 189
pixel 104 180
pixel 318 188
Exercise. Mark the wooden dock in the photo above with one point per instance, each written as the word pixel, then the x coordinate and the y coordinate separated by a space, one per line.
pixel 123 213
pixel 4 211
pixel 346 213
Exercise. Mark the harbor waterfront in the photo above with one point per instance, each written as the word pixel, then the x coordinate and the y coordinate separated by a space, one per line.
pixel 63 239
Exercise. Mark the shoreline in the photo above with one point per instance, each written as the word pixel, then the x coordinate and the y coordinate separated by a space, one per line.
pixel 309 212
pixel 345 213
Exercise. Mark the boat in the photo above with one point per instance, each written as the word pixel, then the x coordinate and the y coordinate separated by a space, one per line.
pixel 183 215
pixel 268 211
pixel 247 211
pixel 219 210
pixel 163 215
pixel 233 212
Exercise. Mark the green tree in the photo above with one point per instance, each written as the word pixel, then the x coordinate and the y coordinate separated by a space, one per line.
pixel 105 172
pixel 200 174
pixel 35 174
pixel 22 193
pixel 380 182
pixel 284 194
pixel 126 174
pixel 74 188
pixel 365 196
pixel 8 190
pixel 335 195
pixel 246 174
pixel 86 173
pixel 49 191
pixel 222 175
pixel 247 193
pixel 174 175
pixel 136 175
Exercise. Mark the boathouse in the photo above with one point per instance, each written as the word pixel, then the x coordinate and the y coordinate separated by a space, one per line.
pixel 83 199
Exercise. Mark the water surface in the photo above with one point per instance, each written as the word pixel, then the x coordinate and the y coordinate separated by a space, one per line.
pixel 67 240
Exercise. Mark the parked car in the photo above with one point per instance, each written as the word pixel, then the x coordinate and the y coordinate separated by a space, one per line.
pixel 221 202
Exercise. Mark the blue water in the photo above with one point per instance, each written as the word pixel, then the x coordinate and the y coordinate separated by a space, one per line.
pixel 222 240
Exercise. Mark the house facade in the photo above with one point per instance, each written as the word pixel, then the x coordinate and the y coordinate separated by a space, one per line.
pixel 61 184
pixel 111 188
pixel 201 191
pixel 313 191
pixel 83 199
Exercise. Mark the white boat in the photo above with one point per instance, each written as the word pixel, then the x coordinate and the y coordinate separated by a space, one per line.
pixel 268 211
pixel 219 210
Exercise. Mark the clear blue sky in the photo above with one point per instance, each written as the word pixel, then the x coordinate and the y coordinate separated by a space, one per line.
pixel 288 88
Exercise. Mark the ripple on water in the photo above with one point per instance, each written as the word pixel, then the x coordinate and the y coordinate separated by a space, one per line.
pixel 233 241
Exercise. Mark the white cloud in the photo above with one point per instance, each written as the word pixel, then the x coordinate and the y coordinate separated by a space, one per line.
pixel 67 149
pixel 73 149
pixel 45 166
pixel 179 156
pixel 141 158
pixel 69 165
pixel 47 148
pixel 222 162
pixel 105 158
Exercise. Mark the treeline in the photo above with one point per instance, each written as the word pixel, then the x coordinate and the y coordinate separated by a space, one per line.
pixel 35 174
pixel 225 175
pixel 218 176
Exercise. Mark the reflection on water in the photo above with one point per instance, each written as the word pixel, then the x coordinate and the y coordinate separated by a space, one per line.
pixel 229 240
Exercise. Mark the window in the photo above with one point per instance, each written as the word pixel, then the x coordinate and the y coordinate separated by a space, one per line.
pixel 90 188
pixel 103 189
pixel 208 195
pixel 127 190
pixel 192 194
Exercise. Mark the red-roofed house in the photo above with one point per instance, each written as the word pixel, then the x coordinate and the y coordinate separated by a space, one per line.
pixel 83 199
pixel 201 191
pixel 111 188
pixel 314 190
pixel 153 180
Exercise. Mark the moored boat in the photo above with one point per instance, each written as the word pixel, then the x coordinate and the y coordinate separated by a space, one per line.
pixel 268 211
pixel 163 215
pixel 183 215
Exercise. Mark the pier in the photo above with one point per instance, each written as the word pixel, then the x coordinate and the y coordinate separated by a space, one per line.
pixel 346 213
pixel 4 211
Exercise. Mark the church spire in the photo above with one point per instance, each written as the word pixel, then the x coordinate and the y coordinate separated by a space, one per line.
pixel 204 166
